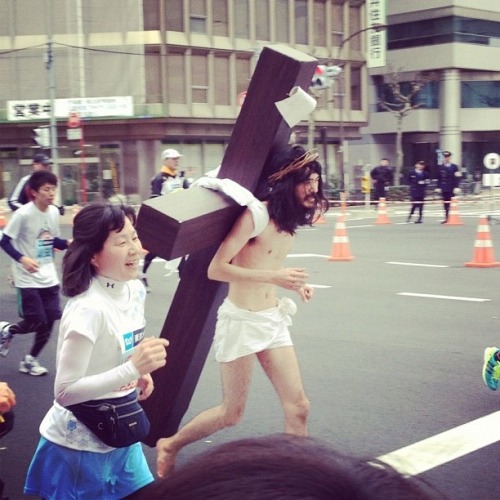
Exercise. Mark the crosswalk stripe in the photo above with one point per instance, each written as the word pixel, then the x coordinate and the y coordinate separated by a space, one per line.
pixel 446 446
pixel 445 297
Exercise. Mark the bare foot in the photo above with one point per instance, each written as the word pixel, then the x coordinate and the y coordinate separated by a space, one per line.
pixel 165 458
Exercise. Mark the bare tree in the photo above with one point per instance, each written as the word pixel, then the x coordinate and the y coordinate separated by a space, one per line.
pixel 400 103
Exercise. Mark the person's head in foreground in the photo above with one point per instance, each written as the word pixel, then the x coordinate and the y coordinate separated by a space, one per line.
pixel 286 466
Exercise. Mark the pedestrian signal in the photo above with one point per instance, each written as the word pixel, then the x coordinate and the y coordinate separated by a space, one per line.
pixel 42 136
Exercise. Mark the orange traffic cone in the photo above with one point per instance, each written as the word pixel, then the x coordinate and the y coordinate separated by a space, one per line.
pixel 343 204
pixel 483 255
pixel 340 248
pixel 3 219
pixel 382 213
pixel 453 217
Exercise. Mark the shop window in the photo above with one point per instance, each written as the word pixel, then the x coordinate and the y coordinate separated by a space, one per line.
pixel 480 94
pixel 242 74
pixel 282 21
pixel 174 12
pixel 153 74
pixel 199 78
pixel 320 23
pixel 220 17
pixel 301 32
pixel 356 88
pixel 221 70
pixel 151 14
pixel 241 16
pixel 198 16
pixel 175 78
pixel 262 16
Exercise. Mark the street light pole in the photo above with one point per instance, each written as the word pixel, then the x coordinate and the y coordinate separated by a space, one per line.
pixel 373 27
pixel 341 150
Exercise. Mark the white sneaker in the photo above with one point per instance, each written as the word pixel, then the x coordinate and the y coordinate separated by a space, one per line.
pixel 5 338
pixel 31 366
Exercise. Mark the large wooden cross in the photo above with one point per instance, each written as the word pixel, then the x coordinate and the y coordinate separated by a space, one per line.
pixel 196 220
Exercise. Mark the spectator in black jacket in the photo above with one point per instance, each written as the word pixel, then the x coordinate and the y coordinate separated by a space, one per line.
pixel 166 181
pixel 418 179
pixel 382 177
pixel 20 196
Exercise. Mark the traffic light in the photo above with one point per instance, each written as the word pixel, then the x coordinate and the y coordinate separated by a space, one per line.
pixel 324 76
pixel 321 80
pixel 365 184
pixel 42 136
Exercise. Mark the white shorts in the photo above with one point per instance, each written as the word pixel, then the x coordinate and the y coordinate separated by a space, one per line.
pixel 240 332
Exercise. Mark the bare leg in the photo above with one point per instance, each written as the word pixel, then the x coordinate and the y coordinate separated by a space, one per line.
pixel 282 368
pixel 236 376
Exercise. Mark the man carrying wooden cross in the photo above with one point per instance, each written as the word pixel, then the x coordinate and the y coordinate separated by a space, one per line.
pixel 253 321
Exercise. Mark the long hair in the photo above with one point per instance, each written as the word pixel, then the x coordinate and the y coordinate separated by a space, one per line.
pixel 91 228
pixel 280 195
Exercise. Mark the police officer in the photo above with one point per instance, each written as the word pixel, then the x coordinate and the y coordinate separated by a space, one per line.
pixel 449 177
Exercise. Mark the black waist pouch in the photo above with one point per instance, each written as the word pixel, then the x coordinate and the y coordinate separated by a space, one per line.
pixel 8 423
pixel 118 422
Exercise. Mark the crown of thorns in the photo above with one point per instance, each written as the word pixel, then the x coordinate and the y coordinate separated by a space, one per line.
pixel 300 162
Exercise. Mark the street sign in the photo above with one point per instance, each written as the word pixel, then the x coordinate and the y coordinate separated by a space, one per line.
pixel 492 161
pixel 73 120
pixel 74 134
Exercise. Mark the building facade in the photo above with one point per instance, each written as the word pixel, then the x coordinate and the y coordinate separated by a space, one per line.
pixel 455 43
pixel 143 75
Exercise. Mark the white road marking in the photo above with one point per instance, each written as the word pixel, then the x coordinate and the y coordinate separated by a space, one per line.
pixel 446 297
pixel 294 255
pixel 362 225
pixel 415 264
pixel 446 446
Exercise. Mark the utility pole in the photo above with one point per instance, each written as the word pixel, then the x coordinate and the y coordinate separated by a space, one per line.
pixel 49 64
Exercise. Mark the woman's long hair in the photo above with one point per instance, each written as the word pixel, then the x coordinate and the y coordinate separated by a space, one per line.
pixel 282 203
pixel 91 228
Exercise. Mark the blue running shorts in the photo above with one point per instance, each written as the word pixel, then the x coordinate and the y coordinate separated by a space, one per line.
pixel 58 472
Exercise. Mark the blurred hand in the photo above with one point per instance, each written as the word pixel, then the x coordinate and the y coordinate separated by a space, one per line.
pixel 457 191
pixel 306 292
pixel 291 278
pixel 7 398
pixel 150 355
pixel 31 265
pixel 145 385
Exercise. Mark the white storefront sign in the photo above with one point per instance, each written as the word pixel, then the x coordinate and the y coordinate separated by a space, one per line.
pixel 86 107
pixel 376 40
